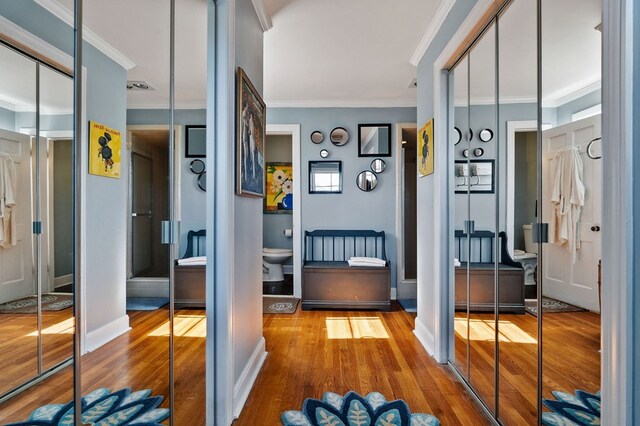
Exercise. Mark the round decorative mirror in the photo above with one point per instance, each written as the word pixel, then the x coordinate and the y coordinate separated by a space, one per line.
pixel 486 135
pixel 378 165
pixel 465 153
pixel 324 153
pixel 339 136
pixel 367 181
pixel 317 137
pixel 457 135
pixel 197 166
pixel 478 152
pixel 202 181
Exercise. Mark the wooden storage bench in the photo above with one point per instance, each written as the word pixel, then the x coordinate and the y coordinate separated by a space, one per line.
pixel 482 275
pixel 190 280
pixel 328 282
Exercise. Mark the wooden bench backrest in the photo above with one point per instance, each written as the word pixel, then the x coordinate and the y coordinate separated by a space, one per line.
pixel 479 246
pixel 195 243
pixel 326 245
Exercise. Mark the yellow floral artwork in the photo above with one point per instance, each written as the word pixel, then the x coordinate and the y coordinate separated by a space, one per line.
pixel 279 198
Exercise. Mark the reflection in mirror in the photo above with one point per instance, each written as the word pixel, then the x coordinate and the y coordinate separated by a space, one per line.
pixel 457 136
pixel 339 136
pixel 324 153
pixel 374 140
pixel 569 271
pixel 486 135
pixel 202 181
pixel 325 177
pixel 197 166
pixel 378 165
pixel 367 181
pixel 317 137
pixel 475 176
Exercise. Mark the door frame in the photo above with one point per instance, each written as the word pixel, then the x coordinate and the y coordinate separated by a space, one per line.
pixel 405 288
pixel 177 173
pixel 293 130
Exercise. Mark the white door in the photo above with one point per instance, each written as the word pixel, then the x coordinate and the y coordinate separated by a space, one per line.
pixel 574 283
pixel 17 263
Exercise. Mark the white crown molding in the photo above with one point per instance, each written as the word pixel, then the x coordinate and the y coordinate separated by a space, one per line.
pixel 327 103
pixel 34 43
pixel 7 105
pixel 66 16
pixel 432 30
pixel 165 105
pixel 263 15
pixel 561 98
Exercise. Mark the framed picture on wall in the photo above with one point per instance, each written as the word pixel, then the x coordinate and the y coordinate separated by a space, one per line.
pixel 250 134
pixel 105 151
pixel 425 149
pixel 279 197
pixel 195 142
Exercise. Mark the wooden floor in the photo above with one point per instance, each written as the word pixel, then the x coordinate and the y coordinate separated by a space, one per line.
pixel 312 352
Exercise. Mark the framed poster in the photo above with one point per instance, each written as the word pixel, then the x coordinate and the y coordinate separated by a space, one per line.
pixel 251 128
pixel 425 149
pixel 279 198
pixel 105 151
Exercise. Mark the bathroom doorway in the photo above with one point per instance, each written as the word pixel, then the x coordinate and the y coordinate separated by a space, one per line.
pixel 281 270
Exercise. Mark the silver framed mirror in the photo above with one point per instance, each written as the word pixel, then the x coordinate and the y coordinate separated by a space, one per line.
pixel 486 135
pixel 478 152
pixel 197 166
pixel 465 153
pixel 378 165
pixel 324 153
pixel 339 136
pixel 317 137
pixel 367 181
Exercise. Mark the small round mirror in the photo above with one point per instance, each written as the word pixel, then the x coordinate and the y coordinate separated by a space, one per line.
pixel 339 136
pixel 317 137
pixel 197 166
pixel 457 135
pixel 465 153
pixel 378 165
pixel 324 153
pixel 486 135
pixel 478 152
pixel 202 181
pixel 367 181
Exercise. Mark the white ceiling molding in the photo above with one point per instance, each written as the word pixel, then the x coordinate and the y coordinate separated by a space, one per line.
pixel 561 99
pixel 263 15
pixel 34 43
pixel 66 16
pixel 432 30
pixel 165 105
pixel 343 104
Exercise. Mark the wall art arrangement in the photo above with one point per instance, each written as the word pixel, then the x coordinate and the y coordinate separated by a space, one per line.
pixel 105 151
pixel 251 130
pixel 279 198
pixel 425 149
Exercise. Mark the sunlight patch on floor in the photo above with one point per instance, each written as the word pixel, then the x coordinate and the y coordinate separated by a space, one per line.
pixel 184 325
pixel 355 328
pixel 484 330
pixel 63 327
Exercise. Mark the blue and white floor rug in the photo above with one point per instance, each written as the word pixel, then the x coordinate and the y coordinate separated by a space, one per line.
pixel 354 410
pixel 583 408
pixel 104 407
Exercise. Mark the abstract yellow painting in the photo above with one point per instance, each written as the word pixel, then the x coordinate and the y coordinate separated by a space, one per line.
pixel 425 149
pixel 105 151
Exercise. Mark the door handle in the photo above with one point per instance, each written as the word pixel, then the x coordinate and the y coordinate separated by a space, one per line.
pixel 140 214
pixel 595 228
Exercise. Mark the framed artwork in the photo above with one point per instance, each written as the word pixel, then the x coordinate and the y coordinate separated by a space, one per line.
pixel 279 198
pixel 105 151
pixel 251 127
pixel 195 142
pixel 425 149
pixel 475 176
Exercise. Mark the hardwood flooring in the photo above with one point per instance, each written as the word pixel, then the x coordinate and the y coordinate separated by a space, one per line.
pixel 312 352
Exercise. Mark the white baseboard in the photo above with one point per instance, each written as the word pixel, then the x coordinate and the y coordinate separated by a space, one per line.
pixel 408 290
pixel 106 333
pixel 62 280
pixel 394 293
pixel 424 336
pixel 248 377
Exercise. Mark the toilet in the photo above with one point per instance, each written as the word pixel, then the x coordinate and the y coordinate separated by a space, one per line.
pixel 529 258
pixel 272 261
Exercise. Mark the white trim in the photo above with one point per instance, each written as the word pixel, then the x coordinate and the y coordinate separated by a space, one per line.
pixel 103 335
pixel 620 177
pixel 587 112
pixel 65 15
pixel 34 43
pixel 294 131
pixel 432 31
pixel 399 201
pixel 562 97
pixel 62 280
pixel 329 103
pixel 394 293
pixel 165 105
pixel 263 15
pixel 248 377
pixel 424 336
pixel 84 166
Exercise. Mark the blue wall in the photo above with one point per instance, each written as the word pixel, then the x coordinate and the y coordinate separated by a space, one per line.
pixel 353 209
pixel 565 111
pixel 7 119
pixel 192 198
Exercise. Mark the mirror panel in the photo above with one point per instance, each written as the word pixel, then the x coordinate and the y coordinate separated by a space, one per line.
pixel 378 165
pixel 325 177
pixel 339 136
pixel 374 140
pixel 482 212
pixel 367 181
pixel 459 92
